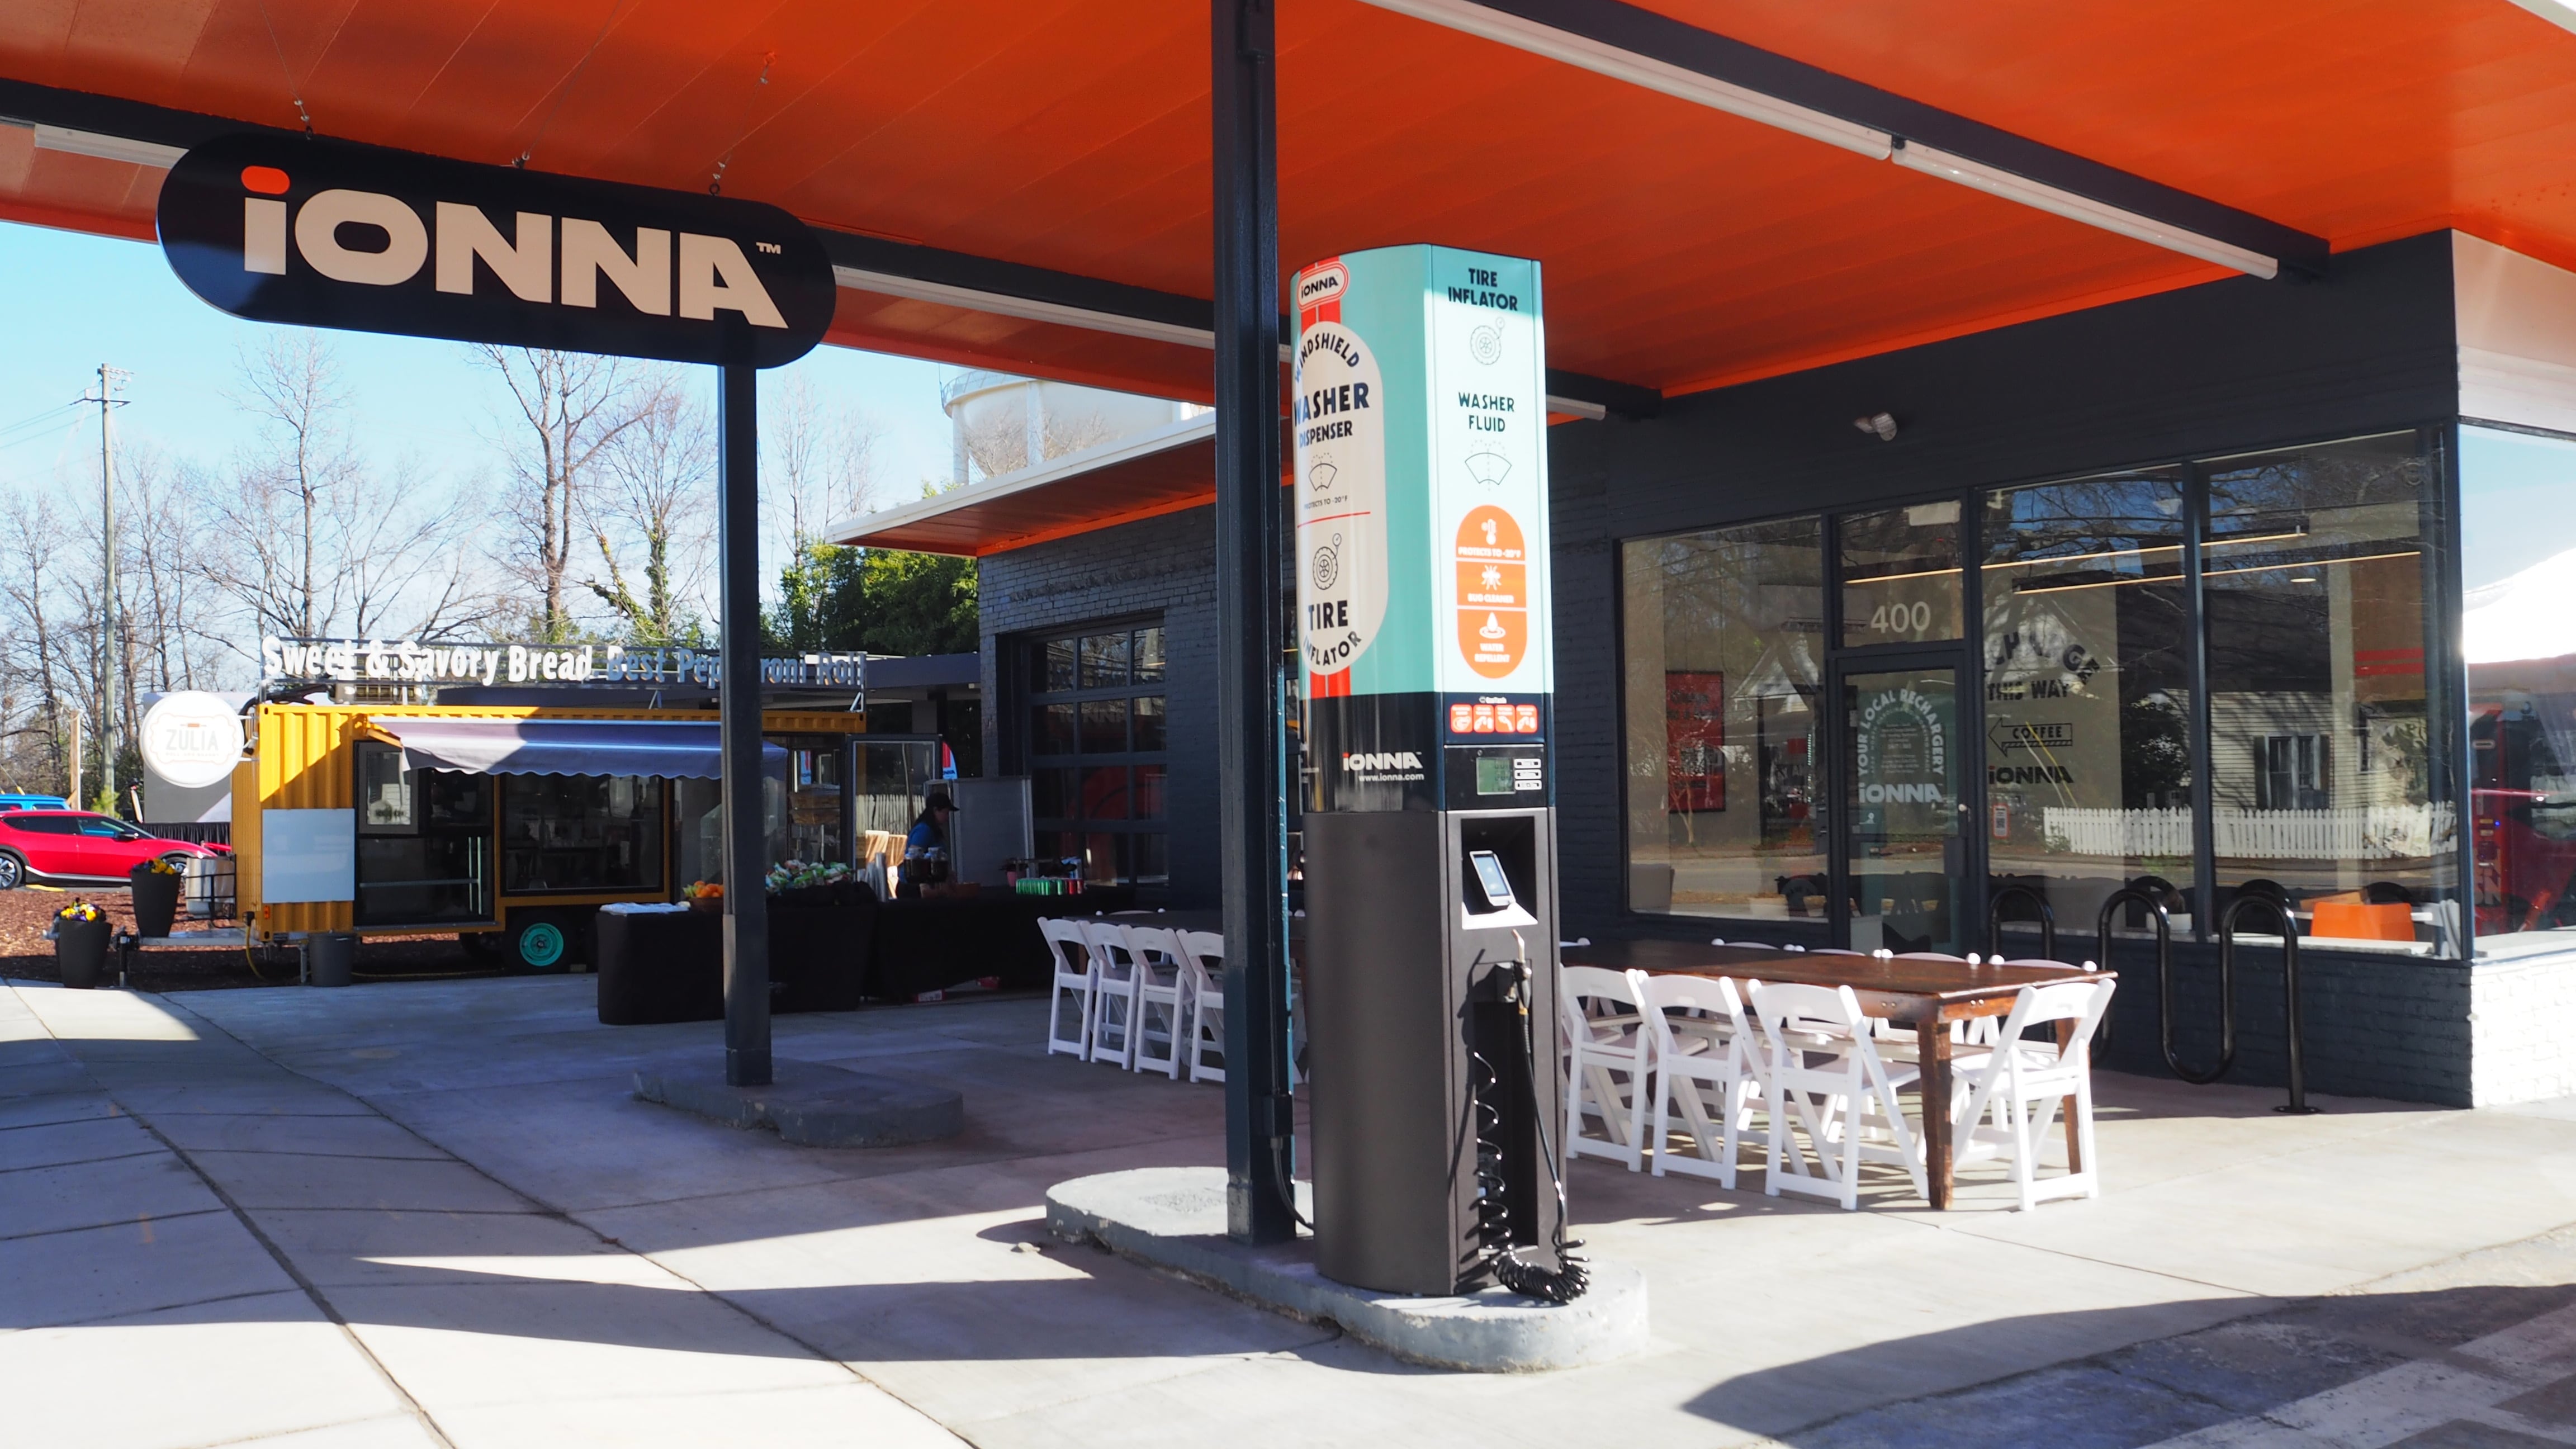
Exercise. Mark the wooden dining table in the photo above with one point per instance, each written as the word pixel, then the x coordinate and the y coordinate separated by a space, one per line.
pixel 1925 995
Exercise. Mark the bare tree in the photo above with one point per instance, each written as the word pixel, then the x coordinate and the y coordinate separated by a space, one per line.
pixel 313 541
pixel 170 537
pixel 33 656
pixel 657 502
pixel 818 464
pixel 998 442
pixel 569 406
pixel 293 382
pixel 1075 433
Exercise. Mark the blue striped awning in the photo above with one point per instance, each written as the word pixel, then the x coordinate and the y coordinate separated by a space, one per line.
pixel 665 748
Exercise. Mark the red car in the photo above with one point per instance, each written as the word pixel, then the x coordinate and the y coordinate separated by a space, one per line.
pixel 79 847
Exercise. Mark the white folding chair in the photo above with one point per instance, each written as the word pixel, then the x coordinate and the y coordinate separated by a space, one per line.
pixel 1113 999
pixel 1203 960
pixel 1707 1064
pixel 1075 976
pixel 1847 1103
pixel 2015 1076
pixel 1608 1041
pixel 1162 1000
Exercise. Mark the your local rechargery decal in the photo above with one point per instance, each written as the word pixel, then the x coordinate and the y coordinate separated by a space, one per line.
pixel 1339 414
pixel 323 233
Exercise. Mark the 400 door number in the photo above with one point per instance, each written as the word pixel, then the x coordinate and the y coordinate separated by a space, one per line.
pixel 1901 618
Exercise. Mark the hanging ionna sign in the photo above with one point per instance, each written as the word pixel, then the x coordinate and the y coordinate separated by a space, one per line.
pixel 323 233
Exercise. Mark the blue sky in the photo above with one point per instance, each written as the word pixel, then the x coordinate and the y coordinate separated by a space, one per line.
pixel 69 302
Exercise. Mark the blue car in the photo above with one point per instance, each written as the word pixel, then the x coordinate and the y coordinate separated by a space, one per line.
pixel 34 802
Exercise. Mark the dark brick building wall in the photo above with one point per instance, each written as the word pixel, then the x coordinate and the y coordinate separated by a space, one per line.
pixel 1162 567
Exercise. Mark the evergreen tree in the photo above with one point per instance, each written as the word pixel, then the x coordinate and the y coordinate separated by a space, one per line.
pixel 879 600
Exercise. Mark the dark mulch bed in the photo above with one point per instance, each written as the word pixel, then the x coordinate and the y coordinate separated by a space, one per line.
pixel 26 955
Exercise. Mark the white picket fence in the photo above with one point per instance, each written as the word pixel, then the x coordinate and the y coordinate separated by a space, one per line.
pixel 2375 833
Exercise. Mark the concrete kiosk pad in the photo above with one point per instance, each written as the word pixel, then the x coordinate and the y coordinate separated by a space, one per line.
pixel 812 1105
pixel 1173 1218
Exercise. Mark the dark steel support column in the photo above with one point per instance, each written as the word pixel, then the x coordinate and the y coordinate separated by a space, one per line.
pixel 746 857
pixel 1260 1117
pixel 848 765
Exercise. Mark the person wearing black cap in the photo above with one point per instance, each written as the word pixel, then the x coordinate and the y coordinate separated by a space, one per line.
pixel 925 850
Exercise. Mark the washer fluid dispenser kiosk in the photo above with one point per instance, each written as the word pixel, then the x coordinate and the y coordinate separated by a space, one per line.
pixel 1420 505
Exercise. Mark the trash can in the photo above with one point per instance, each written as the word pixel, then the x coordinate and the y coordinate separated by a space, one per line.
pixel 80 948
pixel 156 897
pixel 330 957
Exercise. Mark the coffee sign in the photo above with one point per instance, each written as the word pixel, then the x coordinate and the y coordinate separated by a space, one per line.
pixel 192 739
pixel 323 233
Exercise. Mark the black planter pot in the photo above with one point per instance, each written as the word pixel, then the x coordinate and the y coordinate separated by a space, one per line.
pixel 80 952
pixel 156 900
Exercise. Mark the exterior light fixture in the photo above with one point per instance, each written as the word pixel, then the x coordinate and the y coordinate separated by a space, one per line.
pixel 1881 426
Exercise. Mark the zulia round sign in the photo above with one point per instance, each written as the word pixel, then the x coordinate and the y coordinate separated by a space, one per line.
pixel 192 739
pixel 322 233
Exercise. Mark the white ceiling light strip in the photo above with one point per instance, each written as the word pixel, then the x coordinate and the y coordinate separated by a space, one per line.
pixel 1916 157
pixel 1625 65
pixel 1639 70
pixel 2551 11
pixel 110 148
pixel 1027 308
pixel 1004 305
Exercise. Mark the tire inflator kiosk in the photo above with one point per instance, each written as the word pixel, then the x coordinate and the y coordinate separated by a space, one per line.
pixel 1419 500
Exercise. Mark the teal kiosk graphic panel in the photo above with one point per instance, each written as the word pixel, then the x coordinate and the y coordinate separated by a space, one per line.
pixel 1420 508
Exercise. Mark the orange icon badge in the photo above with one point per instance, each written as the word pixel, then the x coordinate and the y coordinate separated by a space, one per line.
pixel 1493 592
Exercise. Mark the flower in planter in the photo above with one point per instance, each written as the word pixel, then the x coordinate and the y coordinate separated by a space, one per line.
pixel 703 890
pixel 797 875
pixel 80 911
pixel 160 866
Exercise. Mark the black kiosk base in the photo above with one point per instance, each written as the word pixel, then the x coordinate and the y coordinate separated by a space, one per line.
pixel 1431 978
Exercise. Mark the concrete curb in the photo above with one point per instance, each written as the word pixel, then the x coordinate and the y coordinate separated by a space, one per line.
pixel 812 1105
pixel 1173 1218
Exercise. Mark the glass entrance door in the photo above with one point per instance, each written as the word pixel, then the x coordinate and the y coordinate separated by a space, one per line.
pixel 1901 850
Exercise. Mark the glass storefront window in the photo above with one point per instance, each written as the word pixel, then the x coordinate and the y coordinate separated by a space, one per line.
pixel 424 839
pixel 1724 643
pixel 1095 748
pixel 2518 639
pixel 2320 751
pixel 2088 695
pixel 574 833
pixel 1900 575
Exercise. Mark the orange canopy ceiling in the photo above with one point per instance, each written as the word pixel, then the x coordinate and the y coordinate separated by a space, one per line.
pixel 1684 247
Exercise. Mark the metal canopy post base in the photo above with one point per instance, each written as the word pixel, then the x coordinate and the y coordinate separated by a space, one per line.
pixel 746 857
pixel 1260 1116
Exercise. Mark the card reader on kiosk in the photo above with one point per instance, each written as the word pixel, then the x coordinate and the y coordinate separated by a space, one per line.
pixel 1420 507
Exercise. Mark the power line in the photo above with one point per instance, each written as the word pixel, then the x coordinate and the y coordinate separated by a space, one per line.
pixel 34 421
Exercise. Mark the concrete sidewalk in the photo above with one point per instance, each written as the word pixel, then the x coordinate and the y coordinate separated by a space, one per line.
pixel 428 1213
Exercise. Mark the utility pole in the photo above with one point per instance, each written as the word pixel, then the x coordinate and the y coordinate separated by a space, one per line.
pixel 112 635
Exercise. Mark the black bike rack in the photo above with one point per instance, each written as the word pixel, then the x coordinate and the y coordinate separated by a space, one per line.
pixel 2164 972
pixel 2298 1102
pixel 1994 920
